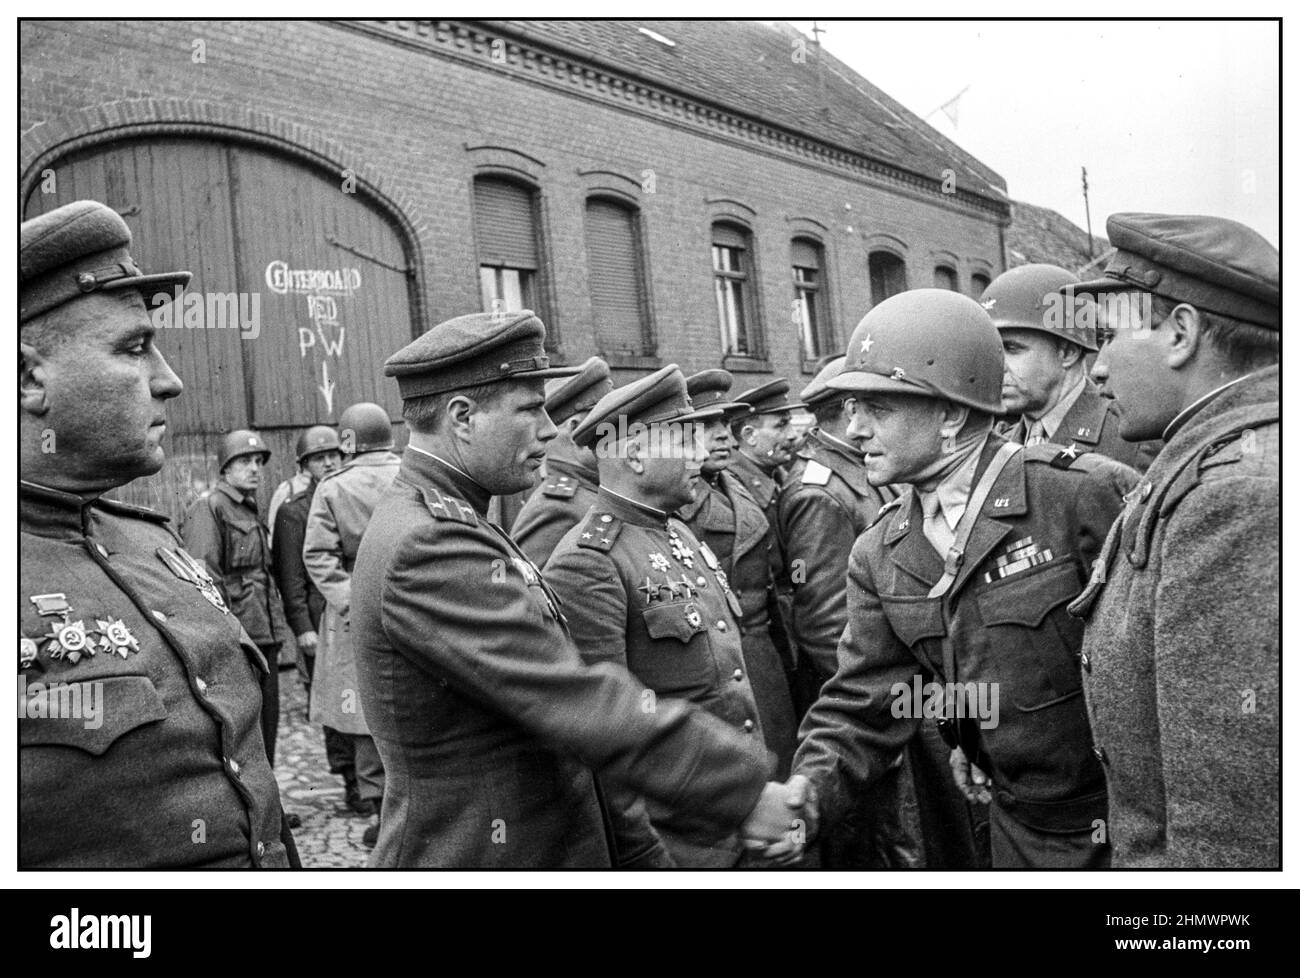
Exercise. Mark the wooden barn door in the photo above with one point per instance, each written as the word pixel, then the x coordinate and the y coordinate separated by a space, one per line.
pixel 303 285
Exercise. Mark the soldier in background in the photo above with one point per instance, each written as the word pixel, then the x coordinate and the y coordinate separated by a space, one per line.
pixel 225 530
pixel 965 577
pixel 1046 339
pixel 339 514
pixel 174 774
pixel 725 517
pixel 766 440
pixel 1181 657
pixel 571 480
pixel 319 455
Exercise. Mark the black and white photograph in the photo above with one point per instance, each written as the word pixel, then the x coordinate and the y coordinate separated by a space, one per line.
pixel 782 453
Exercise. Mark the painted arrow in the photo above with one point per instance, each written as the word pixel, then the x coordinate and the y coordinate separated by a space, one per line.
pixel 326 387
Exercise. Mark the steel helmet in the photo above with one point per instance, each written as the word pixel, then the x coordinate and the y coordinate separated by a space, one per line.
pixel 1029 297
pixel 933 342
pixel 317 438
pixel 365 427
pixel 239 443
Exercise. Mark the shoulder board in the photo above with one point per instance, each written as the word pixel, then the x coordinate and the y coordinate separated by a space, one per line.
pixel 443 507
pixel 880 513
pixel 560 487
pixel 600 531
pixel 1073 456
pixel 815 474
pixel 126 509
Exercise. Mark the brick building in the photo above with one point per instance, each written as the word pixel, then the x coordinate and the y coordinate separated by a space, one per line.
pixel 706 193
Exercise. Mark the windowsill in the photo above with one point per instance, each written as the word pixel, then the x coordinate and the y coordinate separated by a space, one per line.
pixel 632 361
pixel 746 365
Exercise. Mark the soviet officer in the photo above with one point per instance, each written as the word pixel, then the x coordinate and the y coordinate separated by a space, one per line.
pixel 488 721
pixel 340 512
pixel 319 454
pixel 766 440
pixel 140 744
pixel 1182 654
pixel 642 592
pixel 1046 340
pixel 224 529
pixel 571 481
pixel 965 577
pixel 725 517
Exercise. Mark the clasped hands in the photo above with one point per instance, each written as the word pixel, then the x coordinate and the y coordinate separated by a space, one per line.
pixel 783 822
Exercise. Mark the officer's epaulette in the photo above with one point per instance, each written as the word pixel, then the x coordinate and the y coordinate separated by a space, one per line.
pixel 880 513
pixel 444 507
pixel 126 509
pixel 1073 456
pixel 815 474
pixel 560 487
pixel 600 531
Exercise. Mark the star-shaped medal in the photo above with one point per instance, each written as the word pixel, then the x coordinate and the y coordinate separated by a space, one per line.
pixel 660 563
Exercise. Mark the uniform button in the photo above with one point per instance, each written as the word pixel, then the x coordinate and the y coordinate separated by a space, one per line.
pixel 699 580
pixel 233 765
pixel 198 681
pixel 722 626
pixel 606 519
pixel 1099 753
pixel 103 550
pixel 749 726
pixel 737 675
pixel 261 849
pixel 1085 661
pixel 160 616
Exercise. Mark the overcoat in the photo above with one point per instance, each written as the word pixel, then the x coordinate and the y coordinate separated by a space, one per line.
pixel 339 514
pixel 1181 656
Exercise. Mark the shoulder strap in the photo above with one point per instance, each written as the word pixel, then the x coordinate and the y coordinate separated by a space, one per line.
pixel 952 564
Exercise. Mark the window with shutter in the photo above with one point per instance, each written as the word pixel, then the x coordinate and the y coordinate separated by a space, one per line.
pixel 978 283
pixel 945 278
pixel 506 233
pixel 615 276
pixel 888 275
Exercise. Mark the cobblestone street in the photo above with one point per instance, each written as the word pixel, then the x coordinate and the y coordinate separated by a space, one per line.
pixel 330 834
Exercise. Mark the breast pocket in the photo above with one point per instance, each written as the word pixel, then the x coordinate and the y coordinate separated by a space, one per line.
pixel 1032 638
pixel 244 546
pixel 91 715
pixel 679 656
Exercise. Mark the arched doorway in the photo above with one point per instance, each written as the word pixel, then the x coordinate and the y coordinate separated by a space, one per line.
pixel 302 288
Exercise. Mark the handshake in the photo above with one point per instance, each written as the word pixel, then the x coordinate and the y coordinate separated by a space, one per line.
pixel 783 822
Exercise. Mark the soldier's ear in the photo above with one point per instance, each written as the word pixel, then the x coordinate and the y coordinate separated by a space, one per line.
pixel 32 376
pixel 459 412
pixel 1069 353
pixel 954 419
pixel 632 455
pixel 1184 338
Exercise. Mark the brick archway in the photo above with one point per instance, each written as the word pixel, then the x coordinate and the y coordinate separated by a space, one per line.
pixel 46 142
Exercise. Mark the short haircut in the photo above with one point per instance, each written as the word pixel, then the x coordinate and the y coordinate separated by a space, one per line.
pixel 1245 346
pixel 425 414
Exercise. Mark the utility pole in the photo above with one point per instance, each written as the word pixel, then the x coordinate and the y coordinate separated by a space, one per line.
pixel 1087 211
